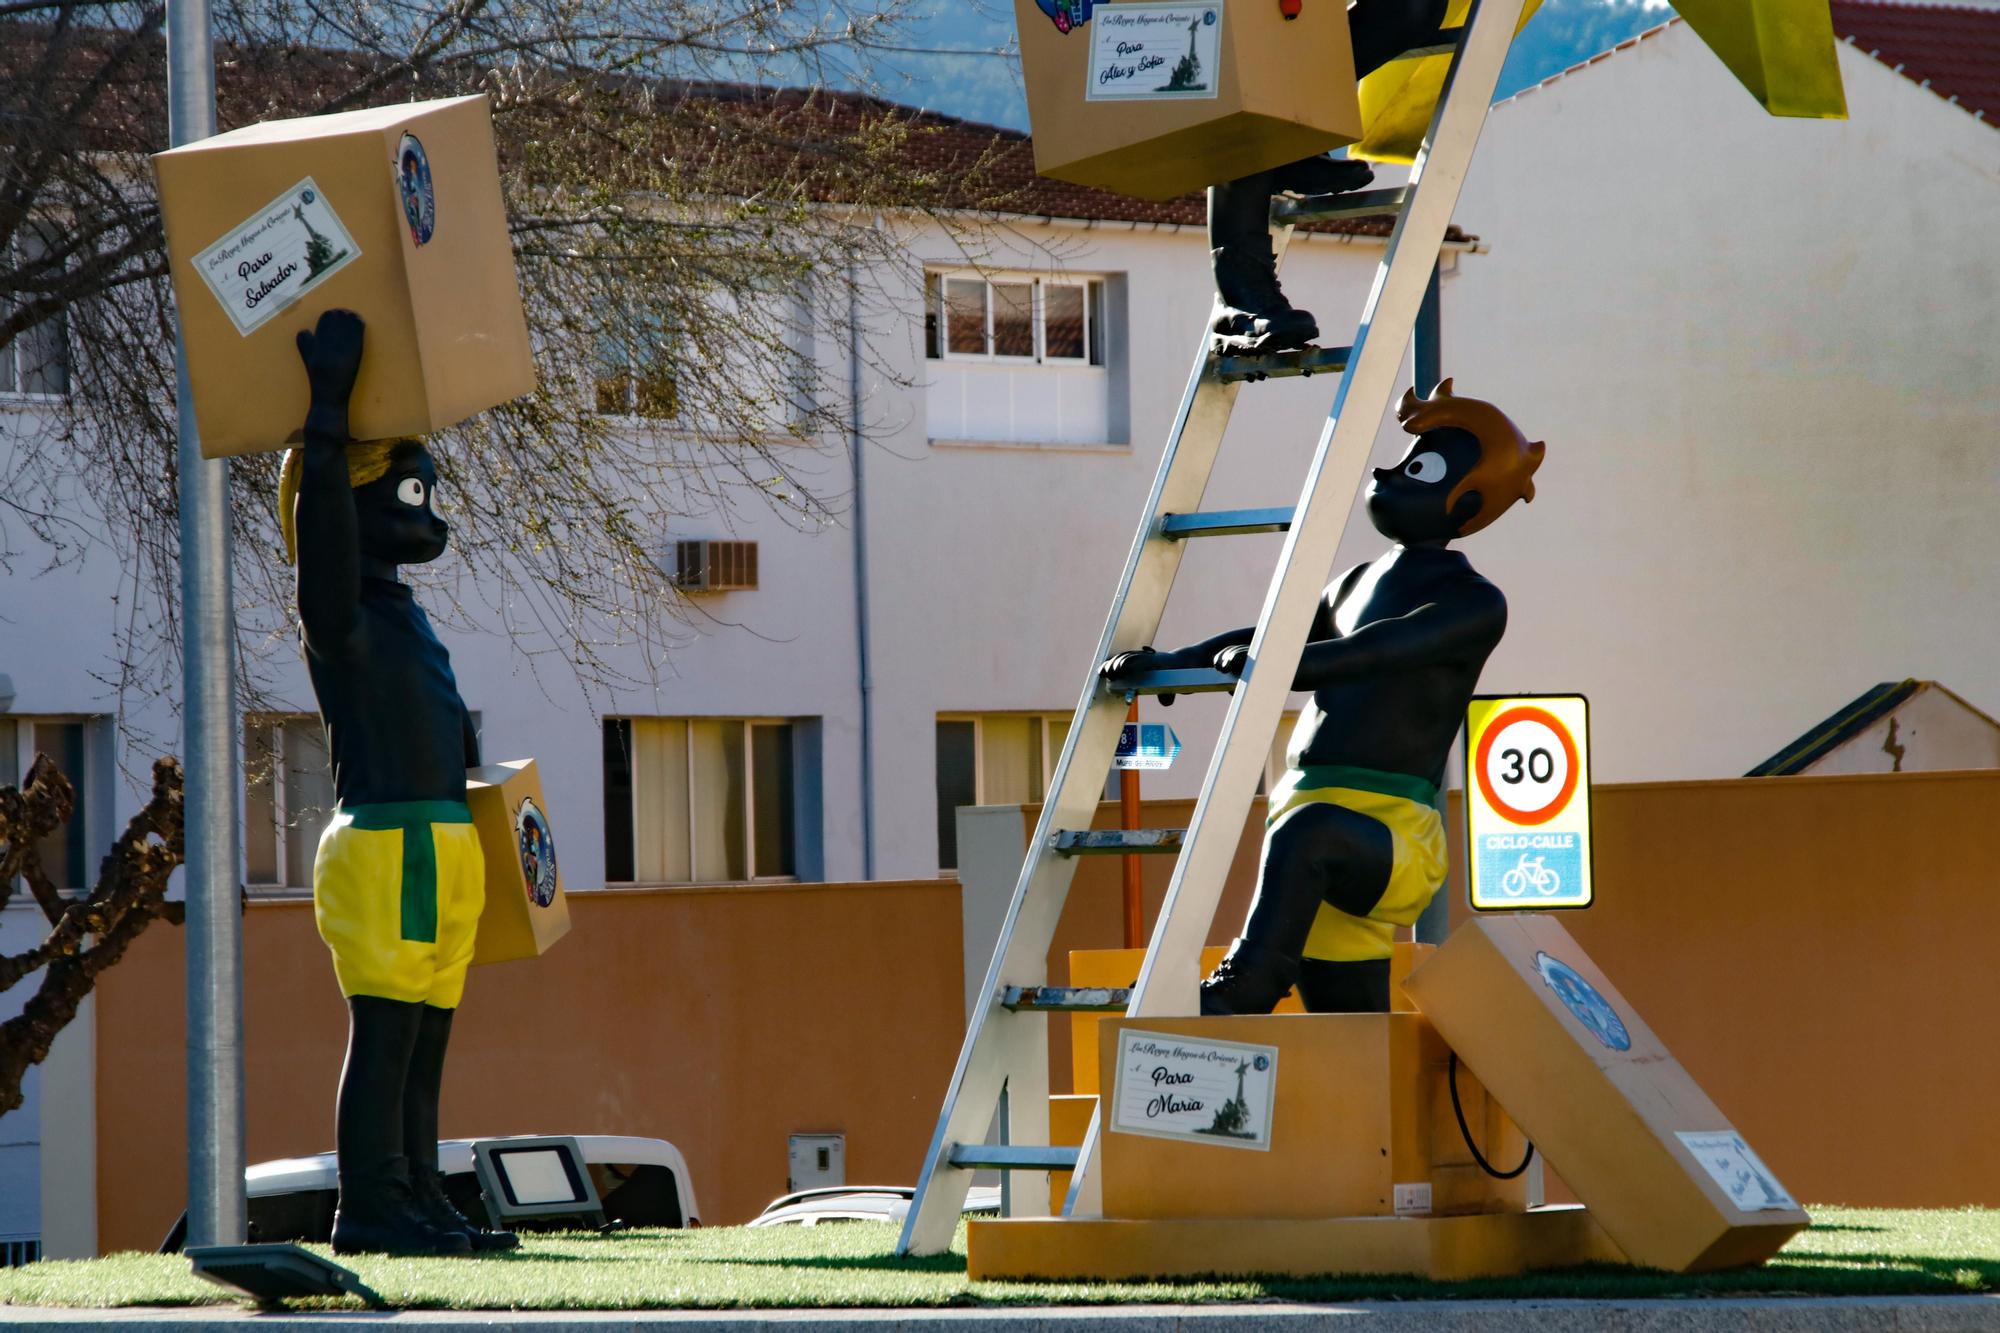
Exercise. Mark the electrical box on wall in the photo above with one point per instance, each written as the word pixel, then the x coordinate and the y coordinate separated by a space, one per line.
pixel 817 1162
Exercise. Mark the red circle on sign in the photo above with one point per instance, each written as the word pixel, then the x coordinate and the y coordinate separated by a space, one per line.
pixel 1499 724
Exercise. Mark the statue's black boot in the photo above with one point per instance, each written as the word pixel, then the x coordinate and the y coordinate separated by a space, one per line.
pixel 377 1212
pixel 1255 316
pixel 420 1137
pixel 1314 176
pixel 1250 979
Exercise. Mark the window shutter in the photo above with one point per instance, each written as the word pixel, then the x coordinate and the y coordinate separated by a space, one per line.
pixel 715 566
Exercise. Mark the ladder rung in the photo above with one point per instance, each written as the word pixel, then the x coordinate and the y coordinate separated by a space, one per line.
pixel 1225 523
pixel 1327 207
pixel 1204 680
pixel 1278 365
pixel 1099 842
pixel 1067 999
pixel 1011 1157
pixel 1445 47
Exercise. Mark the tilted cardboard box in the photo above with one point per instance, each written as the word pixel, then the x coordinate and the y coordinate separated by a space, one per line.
pixel 1158 98
pixel 394 213
pixel 1644 1148
pixel 525 912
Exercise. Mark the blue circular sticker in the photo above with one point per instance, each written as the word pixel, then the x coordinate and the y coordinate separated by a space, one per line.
pixel 413 181
pixel 1208 18
pixel 538 852
pixel 1591 1009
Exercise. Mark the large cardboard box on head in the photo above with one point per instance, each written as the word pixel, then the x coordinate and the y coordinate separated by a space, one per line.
pixel 1158 98
pixel 394 213
pixel 1649 1154
pixel 525 912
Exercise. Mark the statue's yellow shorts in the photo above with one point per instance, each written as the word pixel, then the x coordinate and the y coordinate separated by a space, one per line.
pixel 397 892
pixel 1403 805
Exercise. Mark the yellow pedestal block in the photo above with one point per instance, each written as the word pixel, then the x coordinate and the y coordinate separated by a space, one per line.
pixel 1359 1123
pixel 1654 1159
pixel 1442 1248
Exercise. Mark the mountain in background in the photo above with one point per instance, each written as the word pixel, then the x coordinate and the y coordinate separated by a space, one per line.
pixel 984 84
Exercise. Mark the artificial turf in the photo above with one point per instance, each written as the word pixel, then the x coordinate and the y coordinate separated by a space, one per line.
pixel 1847 1252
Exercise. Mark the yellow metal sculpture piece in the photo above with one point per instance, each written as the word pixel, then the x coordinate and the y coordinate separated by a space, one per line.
pixel 1782 51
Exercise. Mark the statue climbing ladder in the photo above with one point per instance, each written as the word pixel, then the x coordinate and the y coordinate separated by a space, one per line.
pixel 1003 1065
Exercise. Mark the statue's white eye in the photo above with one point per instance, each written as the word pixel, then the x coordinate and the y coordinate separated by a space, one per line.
pixel 410 490
pixel 1426 467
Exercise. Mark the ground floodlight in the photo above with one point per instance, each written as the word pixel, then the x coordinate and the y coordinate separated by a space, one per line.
pixel 536 1179
pixel 274 1272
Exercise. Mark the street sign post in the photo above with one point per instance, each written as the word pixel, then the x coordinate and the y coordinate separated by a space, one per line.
pixel 1145 745
pixel 1528 802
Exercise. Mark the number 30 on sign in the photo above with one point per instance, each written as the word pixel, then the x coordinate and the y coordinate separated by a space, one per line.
pixel 1528 802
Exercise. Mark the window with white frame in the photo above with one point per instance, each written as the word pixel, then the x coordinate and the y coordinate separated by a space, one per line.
pixel 699 800
pixel 761 348
pixel 1023 358
pixel 1020 317
pixel 287 798
pixel 992 759
pixel 35 362
pixel 64 853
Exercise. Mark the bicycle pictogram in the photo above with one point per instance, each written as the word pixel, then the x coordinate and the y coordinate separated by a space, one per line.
pixel 1530 873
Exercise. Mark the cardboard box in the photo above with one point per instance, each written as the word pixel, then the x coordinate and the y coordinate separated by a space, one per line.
pixel 525 912
pixel 1159 98
pixel 394 213
pixel 1342 1115
pixel 1644 1148
pixel 1120 967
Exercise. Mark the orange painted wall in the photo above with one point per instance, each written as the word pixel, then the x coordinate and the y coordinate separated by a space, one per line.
pixel 721 1020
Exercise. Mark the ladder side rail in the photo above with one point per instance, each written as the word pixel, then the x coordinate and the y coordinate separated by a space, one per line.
pixel 1167 979
pixel 1020 955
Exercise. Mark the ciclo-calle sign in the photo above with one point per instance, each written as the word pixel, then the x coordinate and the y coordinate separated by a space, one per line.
pixel 1528 802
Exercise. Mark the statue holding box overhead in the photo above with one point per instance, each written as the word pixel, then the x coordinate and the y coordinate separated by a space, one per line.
pixel 399 879
pixel 1354 844
pixel 1255 316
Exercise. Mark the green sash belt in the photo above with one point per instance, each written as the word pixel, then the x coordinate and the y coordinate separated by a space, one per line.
pixel 414 820
pixel 1314 776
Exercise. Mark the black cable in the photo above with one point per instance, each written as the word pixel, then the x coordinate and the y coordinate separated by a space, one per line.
pixel 1451 1077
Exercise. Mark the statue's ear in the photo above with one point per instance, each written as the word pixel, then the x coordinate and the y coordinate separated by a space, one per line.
pixel 1467 509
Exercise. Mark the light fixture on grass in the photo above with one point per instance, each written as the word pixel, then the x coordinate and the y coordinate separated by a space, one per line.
pixel 531 1179
pixel 272 1273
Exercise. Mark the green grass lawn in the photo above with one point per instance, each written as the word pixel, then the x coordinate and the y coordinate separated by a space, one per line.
pixel 1848 1252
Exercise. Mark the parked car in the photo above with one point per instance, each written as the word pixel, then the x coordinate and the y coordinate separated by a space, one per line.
pixel 642 1183
pixel 861 1203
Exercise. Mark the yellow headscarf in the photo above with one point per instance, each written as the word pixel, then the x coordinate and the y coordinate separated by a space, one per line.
pixel 367 460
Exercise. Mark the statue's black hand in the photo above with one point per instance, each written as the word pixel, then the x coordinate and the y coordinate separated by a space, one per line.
pixel 1231 660
pixel 332 355
pixel 1123 666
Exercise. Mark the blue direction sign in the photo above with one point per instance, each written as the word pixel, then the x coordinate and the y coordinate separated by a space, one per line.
pixel 1147 745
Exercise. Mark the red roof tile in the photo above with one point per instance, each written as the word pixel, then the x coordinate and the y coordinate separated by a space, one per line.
pixel 1953 48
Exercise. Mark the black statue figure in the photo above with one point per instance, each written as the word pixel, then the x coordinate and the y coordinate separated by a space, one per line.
pixel 1354 845
pixel 398 882
pixel 1255 316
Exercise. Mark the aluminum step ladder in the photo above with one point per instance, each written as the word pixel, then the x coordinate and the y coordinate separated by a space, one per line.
pixel 1003 1065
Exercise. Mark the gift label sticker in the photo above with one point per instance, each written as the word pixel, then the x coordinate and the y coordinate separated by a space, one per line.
pixel 413 183
pixel 274 257
pixel 1155 52
pixel 538 852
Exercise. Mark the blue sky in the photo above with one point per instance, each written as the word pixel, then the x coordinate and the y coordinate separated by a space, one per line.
pixel 985 85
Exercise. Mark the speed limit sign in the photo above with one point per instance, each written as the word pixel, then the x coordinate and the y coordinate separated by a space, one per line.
pixel 1528 802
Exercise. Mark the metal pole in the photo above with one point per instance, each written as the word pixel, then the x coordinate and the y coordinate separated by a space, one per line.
pixel 857 446
pixel 215 1209
pixel 1135 881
